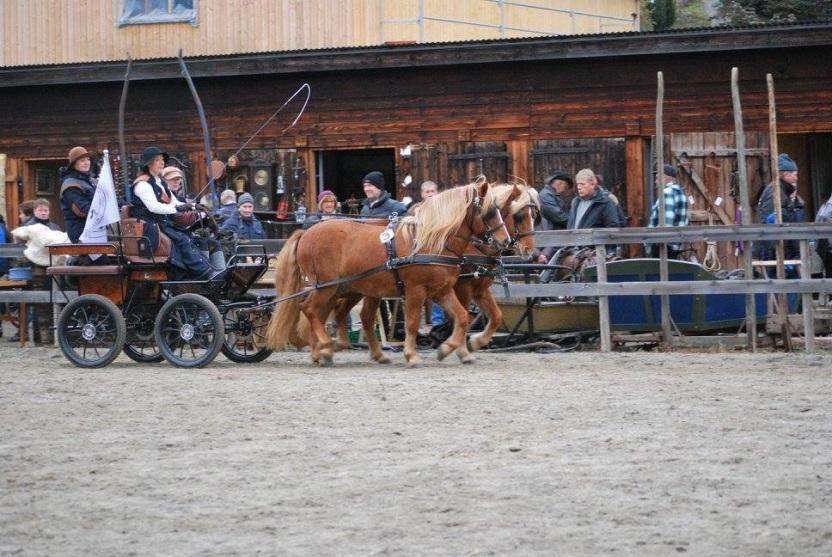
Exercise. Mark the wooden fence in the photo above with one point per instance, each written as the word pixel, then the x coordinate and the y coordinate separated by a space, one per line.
pixel 600 238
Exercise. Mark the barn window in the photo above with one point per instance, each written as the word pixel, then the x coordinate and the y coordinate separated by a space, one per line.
pixel 157 11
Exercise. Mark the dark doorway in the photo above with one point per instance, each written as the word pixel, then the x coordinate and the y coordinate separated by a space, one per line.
pixel 342 171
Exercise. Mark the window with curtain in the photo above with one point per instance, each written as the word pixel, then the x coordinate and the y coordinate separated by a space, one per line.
pixel 157 11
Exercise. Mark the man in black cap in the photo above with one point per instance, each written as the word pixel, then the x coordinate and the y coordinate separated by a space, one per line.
pixel 555 197
pixel 675 210
pixel 379 204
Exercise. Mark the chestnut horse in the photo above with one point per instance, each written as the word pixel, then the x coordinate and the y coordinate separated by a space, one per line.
pixel 519 214
pixel 339 257
pixel 476 278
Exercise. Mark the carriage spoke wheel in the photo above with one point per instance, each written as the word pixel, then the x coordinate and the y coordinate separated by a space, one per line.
pixel 189 331
pixel 141 343
pixel 245 335
pixel 91 331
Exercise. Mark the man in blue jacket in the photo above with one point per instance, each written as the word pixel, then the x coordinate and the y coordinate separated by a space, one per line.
pixel 243 222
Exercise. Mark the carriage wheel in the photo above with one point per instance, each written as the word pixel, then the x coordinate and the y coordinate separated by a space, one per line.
pixel 91 331
pixel 245 335
pixel 189 331
pixel 141 343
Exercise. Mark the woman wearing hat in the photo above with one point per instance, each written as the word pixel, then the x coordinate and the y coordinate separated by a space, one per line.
pixel 77 191
pixel 174 177
pixel 243 222
pixel 327 208
pixel 154 203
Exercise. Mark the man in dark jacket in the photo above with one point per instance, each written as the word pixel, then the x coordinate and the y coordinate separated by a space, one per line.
pixel 592 208
pixel 555 198
pixel 792 205
pixel 379 204
pixel 243 222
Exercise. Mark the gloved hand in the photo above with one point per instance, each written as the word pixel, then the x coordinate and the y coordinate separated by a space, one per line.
pixel 184 207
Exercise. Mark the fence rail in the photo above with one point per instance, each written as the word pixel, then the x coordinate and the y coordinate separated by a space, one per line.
pixel 599 238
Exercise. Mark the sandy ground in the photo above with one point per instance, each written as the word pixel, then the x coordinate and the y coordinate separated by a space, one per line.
pixel 556 454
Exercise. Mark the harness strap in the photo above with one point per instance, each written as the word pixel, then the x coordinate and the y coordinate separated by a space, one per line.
pixel 391 257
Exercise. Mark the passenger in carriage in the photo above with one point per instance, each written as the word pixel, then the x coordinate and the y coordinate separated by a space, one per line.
pixel 228 204
pixel 174 177
pixel 77 191
pixel 244 223
pixel 155 204
pixel 592 207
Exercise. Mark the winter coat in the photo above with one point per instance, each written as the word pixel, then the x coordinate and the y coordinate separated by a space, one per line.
pixel 77 191
pixel 602 212
pixel 554 208
pixel 246 229
pixel 383 207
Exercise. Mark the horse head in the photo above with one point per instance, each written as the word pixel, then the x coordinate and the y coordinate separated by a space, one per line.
pixel 524 212
pixel 489 225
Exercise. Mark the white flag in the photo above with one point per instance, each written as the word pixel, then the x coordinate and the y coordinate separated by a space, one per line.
pixel 104 208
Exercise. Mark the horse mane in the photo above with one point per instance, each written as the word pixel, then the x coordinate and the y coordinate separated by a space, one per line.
pixel 528 196
pixel 439 216
pixel 499 194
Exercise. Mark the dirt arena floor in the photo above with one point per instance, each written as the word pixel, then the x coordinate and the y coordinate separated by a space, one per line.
pixel 521 454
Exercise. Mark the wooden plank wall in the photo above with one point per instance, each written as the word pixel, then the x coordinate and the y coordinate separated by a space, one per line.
pixel 34 32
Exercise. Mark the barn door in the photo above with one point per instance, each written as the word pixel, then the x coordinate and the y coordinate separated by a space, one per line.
pixel 603 156
pixel 479 158
pixel 428 162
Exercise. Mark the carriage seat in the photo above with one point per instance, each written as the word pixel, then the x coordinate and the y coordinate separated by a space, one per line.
pixel 83 270
pixel 132 238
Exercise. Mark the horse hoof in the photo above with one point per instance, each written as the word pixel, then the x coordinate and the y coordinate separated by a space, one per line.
pixel 382 360
pixel 443 351
pixel 469 359
pixel 413 363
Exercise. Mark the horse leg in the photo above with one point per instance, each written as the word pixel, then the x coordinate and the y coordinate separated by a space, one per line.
pixel 451 305
pixel 342 311
pixel 463 291
pixel 488 305
pixel 414 301
pixel 368 323
pixel 316 307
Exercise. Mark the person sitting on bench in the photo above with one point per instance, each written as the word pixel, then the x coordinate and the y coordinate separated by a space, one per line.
pixel 154 203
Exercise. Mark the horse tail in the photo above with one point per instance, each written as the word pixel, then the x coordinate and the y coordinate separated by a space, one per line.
pixel 287 281
pixel 302 333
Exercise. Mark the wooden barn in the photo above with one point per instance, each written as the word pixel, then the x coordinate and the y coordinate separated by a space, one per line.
pixel 506 108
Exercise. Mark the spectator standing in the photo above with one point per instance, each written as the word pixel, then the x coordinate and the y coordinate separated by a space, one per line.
pixel 327 208
pixel 793 208
pixel 675 210
pixel 555 198
pixel 379 204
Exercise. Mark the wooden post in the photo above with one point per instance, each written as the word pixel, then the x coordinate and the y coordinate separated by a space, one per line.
pixel 782 299
pixel 808 307
pixel 664 273
pixel 603 301
pixel 750 306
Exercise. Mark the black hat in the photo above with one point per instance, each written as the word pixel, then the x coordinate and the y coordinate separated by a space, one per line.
pixel 376 178
pixel 150 153
pixel 560 175
pixel 670 170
